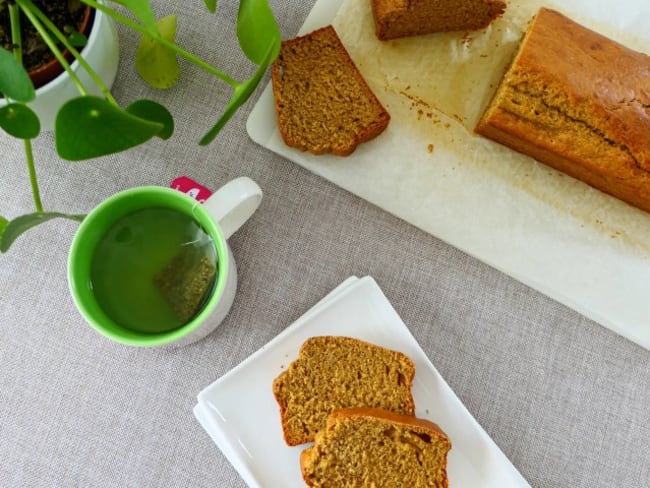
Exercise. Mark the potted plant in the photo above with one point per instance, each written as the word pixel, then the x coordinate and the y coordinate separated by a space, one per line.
pixel 91 125
pixel 85 28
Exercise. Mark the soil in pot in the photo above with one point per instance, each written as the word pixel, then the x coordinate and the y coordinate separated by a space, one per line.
pixel 67 15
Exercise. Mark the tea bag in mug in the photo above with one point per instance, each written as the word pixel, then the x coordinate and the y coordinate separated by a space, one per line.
pixel 186 281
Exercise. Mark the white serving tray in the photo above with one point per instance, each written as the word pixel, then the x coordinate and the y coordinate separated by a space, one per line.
pixel 240 413
pixel 583 248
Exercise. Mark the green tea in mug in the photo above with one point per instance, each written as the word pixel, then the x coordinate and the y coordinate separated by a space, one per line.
pixel 153 270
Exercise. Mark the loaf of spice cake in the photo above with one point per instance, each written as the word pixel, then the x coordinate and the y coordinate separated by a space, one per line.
pixel 369 447
pixel 322 102
pixel 405 18
pixel 579 102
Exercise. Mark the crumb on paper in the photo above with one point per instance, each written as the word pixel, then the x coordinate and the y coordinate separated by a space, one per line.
pixel 430 148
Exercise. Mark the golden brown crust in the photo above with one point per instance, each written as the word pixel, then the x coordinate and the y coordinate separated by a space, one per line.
pixel 305 457
pixel 578 102
pixel 333 372
pixel 405 18
pixel 322 102
pixel 415 423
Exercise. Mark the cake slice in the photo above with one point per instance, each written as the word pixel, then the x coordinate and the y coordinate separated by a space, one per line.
pixel 405 18
pixel 322 102
pixel 579 102
pixel 334 372
pixel 367 447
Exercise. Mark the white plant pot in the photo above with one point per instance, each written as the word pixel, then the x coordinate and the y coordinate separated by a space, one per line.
pixel 101 53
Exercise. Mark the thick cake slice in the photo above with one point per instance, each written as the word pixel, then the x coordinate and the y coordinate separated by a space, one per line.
pixel 322 102
pixel 579 102
pixel 405 18
pixel 367 447
pixel 334 372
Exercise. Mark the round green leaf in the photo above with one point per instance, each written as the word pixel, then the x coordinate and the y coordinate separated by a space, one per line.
pixel 14 80
pixel 155 112
pixel 18 120
pixel 157 64
pixel 89 127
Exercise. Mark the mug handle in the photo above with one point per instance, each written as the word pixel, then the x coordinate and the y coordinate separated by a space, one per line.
pixel 234 203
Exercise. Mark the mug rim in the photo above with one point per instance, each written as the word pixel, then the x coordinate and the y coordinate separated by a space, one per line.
pixel 105 324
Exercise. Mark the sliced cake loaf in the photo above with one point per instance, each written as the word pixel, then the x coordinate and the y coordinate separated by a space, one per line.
pixel 322 102
pixel 367 447
pixel 405 18
pixel 579 102
pixel 334 372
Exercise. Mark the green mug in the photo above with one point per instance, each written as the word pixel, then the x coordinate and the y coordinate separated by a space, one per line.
pixel 219 217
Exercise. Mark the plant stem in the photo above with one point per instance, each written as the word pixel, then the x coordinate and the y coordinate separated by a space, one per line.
pixel 80 59
pixel 29 155
pixel 16 39
pixel 170 45
pixel 14 16
pixel 29 8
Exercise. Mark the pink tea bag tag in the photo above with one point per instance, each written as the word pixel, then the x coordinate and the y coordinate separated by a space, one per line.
pixel 190 187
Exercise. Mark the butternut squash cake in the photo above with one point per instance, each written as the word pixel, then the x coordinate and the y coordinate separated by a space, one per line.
pixel 405 18
pixel 334 372
pixel 368 447
pixel 322 102
pixel 579 102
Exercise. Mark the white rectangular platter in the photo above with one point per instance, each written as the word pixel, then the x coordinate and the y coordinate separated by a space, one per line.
pixel 579 246
pixel 241 415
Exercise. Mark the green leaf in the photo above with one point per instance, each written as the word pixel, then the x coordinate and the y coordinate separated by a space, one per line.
pixel 77 39
pixel 88 127
pixel 257 30
pixel 14 80
pixel 239 97
pixel 13 229
pixel 3 224
pixel 18 120
pixel 142 11
pixel 211 5
pixel 157 64
pixel 154 112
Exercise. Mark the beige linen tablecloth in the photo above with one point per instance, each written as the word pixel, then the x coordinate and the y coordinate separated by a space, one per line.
pixel 564 398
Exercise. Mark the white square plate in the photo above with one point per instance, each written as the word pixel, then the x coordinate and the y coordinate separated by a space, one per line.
pixel 241 415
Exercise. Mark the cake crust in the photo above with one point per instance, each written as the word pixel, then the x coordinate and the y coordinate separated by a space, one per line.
pixel 406 18
pixel 579 102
